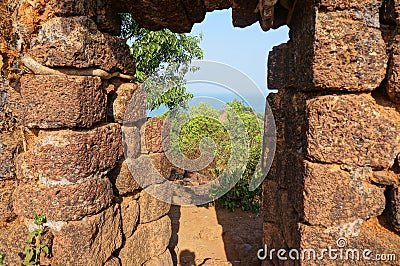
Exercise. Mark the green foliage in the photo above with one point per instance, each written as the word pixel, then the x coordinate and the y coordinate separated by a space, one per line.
pixel 207 122
pixel 2 257
pixel 156 50
pixel 33 247
pixel 240 195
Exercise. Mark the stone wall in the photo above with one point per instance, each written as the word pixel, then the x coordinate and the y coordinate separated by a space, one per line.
pixel 62 154
pixel 336 169
pixel 64 95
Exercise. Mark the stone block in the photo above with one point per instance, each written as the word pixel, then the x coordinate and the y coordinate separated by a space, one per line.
pixel 370 235
pixel 10 146
pixel 156 135
pixel 63 203
pixel 12 241
pixel 281 66
pixel 131 138
pixel 168 13
pixel 129 215
pixel 162 164
pixel 342 50
pixel 71 7
pixel 7 188
pixel 76 42
pixel 393 210
pixel 123 180
pixel 212 5
pixel 124 96
pixel 113 261
pixel 332 196
pixel 90 241
pixel 62 101
pixel 164 259
pixel 243 12
pixel 66 156
pixel 151 208
pixel 149 241
pixel 392 81
pixel 352 129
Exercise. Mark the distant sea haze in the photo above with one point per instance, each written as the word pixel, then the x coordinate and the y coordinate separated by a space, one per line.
pixel 216 100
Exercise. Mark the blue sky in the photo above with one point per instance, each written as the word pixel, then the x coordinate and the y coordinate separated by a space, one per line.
pixel 245 49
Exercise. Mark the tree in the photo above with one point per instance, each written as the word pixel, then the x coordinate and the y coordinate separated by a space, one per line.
pixel 156 50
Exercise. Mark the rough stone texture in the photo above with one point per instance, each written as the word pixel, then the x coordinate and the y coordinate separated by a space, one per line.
pixel 70 7
pixel 162 164
pixel 394 207
pixel 370 235
pixel 392 81
pixel 90 241
pixel 212 5
pixel 10 146
pixel 281 67
pixel 342 50
pixel 113 261
pixel 62 101
pixel 119 100
pixel 149 241
pixel 156 135
pixel 164 259
pixel 358 198
pixel 63 203
pixel 352 129
pixel 7 188
pixel 123 180
pixel 145 173
pixel 13 237
pixel 68 156
pixel 9 111
pixel 152 208
pixel 168 13
pixel 135 111
pixel 243 12
pixel 129 215
pixel 76 42
pixel 131 141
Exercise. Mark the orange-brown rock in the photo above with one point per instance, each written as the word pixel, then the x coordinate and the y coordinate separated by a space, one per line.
pixel 129 215
pixel 63 202
pixel 123 180
pixel 393 204
pixel 7 188
pixel 155 134
pixel 149 241
pixel 70 155
pixel 13 237
pixel 352 129
pixel 151 208
pixel 281 67
pixel 243 12
pixel 120 99
pixel 323 184
pixel 371 235
pixel 62 101
pixel 76 42
pixel 90 241
pixel 10 147
pixel 342 50
pixel 164 259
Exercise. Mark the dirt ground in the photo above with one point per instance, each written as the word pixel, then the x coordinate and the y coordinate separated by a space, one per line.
pixel 215 237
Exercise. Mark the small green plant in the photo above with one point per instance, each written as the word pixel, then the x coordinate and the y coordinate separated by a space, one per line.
pixel 33 247
pixel 2 257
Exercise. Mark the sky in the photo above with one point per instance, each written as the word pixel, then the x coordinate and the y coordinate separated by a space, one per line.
pixel 245 49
